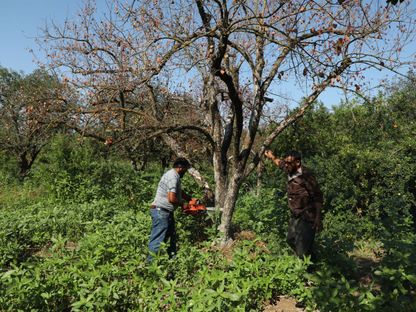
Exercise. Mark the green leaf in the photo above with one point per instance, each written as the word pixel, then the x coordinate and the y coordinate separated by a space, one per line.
pixel 234 297
pixel 7 274
pixel 411 278
pixel 210 291
pixel 45 295
pixel 165 282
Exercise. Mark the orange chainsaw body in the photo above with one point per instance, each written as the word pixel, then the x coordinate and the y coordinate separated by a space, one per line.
pixel 194 207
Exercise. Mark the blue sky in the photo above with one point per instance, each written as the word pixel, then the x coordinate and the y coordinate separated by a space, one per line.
pixel 21 22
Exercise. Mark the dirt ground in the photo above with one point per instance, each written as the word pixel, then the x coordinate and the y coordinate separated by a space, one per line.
pixel 284 304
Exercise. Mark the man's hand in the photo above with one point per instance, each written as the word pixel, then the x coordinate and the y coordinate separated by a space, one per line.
pixel 274 159
pixel 269 154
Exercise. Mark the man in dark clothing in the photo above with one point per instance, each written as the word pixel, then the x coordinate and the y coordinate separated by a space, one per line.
pixel 305 203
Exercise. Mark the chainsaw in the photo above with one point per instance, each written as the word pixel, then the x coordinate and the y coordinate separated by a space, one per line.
pixel 195 207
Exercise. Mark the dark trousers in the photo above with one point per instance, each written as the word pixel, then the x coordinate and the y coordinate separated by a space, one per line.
pixel 163 230
pixel 300 237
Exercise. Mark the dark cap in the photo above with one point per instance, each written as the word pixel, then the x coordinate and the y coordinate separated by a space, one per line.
pixel 181 163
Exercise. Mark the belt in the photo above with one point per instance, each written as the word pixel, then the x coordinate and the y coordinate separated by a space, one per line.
pixel 160 208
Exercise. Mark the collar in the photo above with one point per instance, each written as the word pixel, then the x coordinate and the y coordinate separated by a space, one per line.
pixel 298 173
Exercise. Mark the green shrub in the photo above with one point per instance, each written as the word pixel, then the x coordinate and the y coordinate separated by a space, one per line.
pixel 266 213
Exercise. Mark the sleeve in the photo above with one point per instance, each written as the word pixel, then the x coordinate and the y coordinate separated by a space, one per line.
pixel 172 184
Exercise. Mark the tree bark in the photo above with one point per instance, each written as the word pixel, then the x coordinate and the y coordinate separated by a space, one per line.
pixel 24 165
pixel 26 162
pixel 230 199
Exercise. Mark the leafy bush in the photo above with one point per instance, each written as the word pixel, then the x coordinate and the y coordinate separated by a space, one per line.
pixel 77 173
pixel 8 170
pixel 266 214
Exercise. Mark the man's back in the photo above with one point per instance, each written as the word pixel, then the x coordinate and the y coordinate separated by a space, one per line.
pixel 304 195
pixel 170 182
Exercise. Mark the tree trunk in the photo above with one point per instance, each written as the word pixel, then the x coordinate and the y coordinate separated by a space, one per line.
pixel 229 201
pixel 26 160
pixel 24 165
pixel 220 182
pixel 260 169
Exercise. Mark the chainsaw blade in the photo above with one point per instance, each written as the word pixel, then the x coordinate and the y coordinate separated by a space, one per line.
pixel 213 209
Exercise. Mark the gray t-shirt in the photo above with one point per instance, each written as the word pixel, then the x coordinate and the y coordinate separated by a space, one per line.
pixel 170 182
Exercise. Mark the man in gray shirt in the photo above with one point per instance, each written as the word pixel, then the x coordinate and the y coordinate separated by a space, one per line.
pixel 169 195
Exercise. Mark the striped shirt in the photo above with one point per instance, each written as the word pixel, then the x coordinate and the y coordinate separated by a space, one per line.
pixel 170 182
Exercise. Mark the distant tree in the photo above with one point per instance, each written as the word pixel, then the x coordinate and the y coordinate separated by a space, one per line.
pixel 31 110
pixel 215 63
